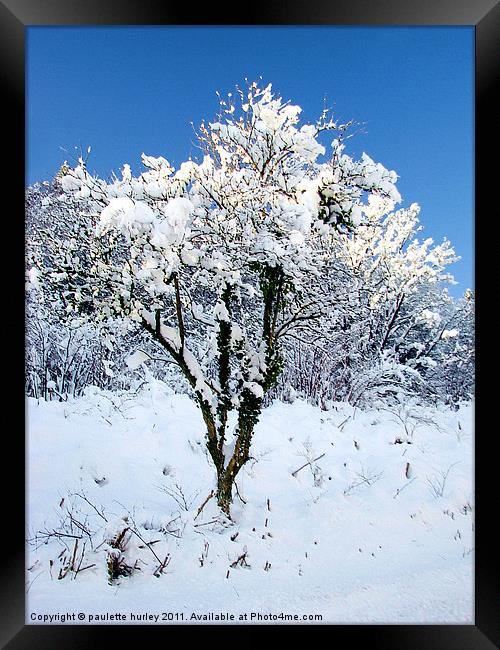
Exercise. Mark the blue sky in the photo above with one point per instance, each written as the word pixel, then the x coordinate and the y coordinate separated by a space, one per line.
pixel 128 90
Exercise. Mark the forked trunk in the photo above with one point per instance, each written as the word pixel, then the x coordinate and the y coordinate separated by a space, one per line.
pixel 227 471
pixel 226 476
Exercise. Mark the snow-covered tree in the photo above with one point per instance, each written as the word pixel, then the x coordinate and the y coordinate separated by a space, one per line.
pixel 388 298
pixel 62 358
pixel 219 260
pixel 441 346
pixel 394 278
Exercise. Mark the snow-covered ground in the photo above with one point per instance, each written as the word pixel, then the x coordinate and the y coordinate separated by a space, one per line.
pixel 379 529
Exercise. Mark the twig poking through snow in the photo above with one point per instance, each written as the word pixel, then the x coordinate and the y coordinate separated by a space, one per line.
pixel 399 490
pixel 204 504
pixel 308 463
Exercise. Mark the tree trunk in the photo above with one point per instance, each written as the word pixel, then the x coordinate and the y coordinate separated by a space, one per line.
pixel 224 492
pixel 247 419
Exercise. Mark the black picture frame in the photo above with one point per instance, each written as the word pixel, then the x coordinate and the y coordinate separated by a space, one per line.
pixel 484 16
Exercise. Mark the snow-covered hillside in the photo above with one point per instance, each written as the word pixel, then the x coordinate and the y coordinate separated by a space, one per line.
pixel 378 529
